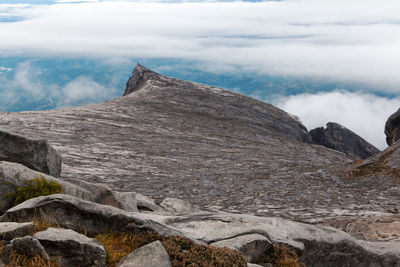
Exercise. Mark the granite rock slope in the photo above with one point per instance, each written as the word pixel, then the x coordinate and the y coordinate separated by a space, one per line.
pixel 211 147
pixel 340 138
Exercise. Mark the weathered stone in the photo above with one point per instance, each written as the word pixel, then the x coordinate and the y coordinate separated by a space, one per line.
pixel 29 246
pixel 73 248
pixel 256 265
pixel 178 206
pixel 2 264
pixel 150 255
pixel 35 154
pixel 392 128
pixel 13 175
pixel 11 230
pixel 77 214
pixel 252 245
pixel 339 138
pixel 318 245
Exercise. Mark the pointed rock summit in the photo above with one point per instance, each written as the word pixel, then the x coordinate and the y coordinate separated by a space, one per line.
pixel 139 76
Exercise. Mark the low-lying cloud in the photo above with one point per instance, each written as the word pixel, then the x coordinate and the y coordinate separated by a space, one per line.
pixel 364 114
pixel 28 88
pixel 348 41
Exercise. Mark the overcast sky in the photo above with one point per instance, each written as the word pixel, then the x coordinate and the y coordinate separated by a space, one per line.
pixel 352 41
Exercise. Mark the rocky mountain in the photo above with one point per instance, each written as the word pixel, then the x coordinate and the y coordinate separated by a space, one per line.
pixel 392 128
pixel 338 137
pixel 237 159
pixel 211 147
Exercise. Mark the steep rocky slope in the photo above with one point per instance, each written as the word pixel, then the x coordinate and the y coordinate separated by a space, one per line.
pixel 392 128
pixel 212 147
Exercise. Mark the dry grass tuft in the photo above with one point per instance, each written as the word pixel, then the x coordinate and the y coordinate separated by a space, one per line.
pixel 281 256
pixel 182 251
pixel 18 260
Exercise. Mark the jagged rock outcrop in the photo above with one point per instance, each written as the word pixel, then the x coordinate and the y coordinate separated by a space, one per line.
pixel 150 255
pixel 392 128
pixel 72 248
pixel 339 138
pixel 35 154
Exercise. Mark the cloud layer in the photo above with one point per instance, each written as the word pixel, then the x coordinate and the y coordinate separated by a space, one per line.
pixel 354 41
pixel 364 114
pixel 27 89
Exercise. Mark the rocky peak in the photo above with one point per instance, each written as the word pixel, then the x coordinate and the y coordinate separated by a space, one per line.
pixel 139 76
pixel 337 137
pixel 392 128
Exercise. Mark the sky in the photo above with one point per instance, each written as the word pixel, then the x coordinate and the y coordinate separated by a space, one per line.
pixel 354 44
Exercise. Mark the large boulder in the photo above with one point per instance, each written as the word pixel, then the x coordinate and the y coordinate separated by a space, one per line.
pixel 72 248
pixel 392 128
pixel 316 245
pixel 339 138
pixel 150 255
pixel 77 214
pixel 11 230
pixel 35 154
pixel 14 175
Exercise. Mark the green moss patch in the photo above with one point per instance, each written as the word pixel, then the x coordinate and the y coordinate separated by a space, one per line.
pixel 37 187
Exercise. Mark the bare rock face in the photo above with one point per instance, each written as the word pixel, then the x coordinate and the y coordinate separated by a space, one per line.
pixel 35 154
pixel 28 246
pixel 392 128
pixel 339 138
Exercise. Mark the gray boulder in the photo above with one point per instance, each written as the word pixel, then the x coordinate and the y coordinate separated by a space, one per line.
pixel 35 154
pixel 150 255
pixel 392 128
pixel 128 201
pixel 77 214
pixel 11 230
pixel 72 248
pixel 252 245
pixel 13 175
pixel 339 138
pixel 28 246
pixel 178 206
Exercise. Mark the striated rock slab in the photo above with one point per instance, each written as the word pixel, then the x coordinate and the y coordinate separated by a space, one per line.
pixel 252 246
pixel 150 255
pixel 73 248
pixel 339 138
pixel 77 214
pixel 392 128
pixel 11 230
pixel 35 154
pixel 317 245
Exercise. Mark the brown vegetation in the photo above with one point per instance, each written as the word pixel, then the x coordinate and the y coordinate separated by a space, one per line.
pixel 281 256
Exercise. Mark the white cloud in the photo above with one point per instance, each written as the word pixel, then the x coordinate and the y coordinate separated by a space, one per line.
pixel 28 87
pixel 350 41
pixel 84 88
pixel 364 114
